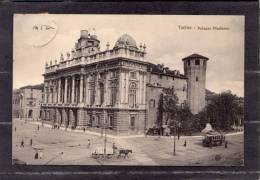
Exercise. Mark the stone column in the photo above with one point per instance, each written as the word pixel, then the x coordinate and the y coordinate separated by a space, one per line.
pixel 86 90
pixel 96 90
pixel 57 117
pixel 127 88
pixel 105 89
pixel 64 117
pixel 45 94
pixel 65 91
pixel 121 90
pixel 118 86
pixel 81 121
pixel 108 89
pixel 48 93
pixel 72 118
pixel 144 90
pixel 59 91
pixel 73 90
pixel 139 87
pixel 81 89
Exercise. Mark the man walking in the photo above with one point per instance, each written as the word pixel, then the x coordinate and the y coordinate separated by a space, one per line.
pixel 88 143
pixel 22 143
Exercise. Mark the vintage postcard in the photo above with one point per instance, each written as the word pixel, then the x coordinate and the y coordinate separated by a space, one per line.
pixel 139 90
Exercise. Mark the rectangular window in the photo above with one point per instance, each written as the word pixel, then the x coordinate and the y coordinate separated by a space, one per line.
pixel 188 62
pixel 152 103
pixel 197 79
pixel 113 74
pixel 133 75
pixel 98 121
pixel 111 121
pixel 197 62
pixel 132 122
pixel 113 96
pixel 92 94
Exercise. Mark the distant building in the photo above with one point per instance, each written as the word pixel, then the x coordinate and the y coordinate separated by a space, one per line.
pixel 27 102
pixel 117 87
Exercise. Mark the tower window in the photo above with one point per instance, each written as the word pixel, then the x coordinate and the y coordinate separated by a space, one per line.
pixel 197 62
pixel 197 79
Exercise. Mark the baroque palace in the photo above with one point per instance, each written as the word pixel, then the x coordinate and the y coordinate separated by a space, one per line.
pixel 117 88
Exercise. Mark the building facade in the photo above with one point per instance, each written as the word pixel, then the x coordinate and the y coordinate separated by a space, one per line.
pixel 117 88
pixel 27 102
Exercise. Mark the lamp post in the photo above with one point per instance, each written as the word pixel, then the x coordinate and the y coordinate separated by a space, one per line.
pixel 174 145
pixel 105 142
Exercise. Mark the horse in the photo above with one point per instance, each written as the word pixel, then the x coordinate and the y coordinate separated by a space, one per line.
pixel 124 152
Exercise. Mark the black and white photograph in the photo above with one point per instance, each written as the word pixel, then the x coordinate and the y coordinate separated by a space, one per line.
pixel 128 90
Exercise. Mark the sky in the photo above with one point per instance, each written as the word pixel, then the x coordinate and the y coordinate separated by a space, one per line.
pixel 166 43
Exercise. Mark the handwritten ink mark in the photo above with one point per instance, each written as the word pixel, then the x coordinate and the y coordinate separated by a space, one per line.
pixel 42 27
pixel 47 27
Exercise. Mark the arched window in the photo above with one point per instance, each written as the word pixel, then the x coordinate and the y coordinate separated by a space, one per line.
pixel 132 95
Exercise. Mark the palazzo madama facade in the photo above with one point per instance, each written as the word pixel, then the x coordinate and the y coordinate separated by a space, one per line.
pixel 117 88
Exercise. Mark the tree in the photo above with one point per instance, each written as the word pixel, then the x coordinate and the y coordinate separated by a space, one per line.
pixel 222 111
pixel 167 106
pixel 186 119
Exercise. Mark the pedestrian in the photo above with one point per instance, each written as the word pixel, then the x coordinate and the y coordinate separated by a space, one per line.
pixel 38 127
pixel 114 148
pixel 14 129
pixel 84 129
pixel 31 142
pixel 226 143
pixel 22 143
pixel 41 154
pixel 88 143
pixel 185 143
pixel 36 156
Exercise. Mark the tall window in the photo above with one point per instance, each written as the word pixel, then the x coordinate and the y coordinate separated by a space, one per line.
pixel 98 121
pixel 132 95
pixel 101 89
pixel 197 62
pixel 132 122
pixel 111 121
pixel 52 95
pixel 113 74
pixel 92 93
pixel 113 93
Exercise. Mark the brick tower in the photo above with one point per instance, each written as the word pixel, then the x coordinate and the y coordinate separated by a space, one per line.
pixel 195 67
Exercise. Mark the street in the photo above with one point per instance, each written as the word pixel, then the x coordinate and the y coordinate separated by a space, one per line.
pixel 62 147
